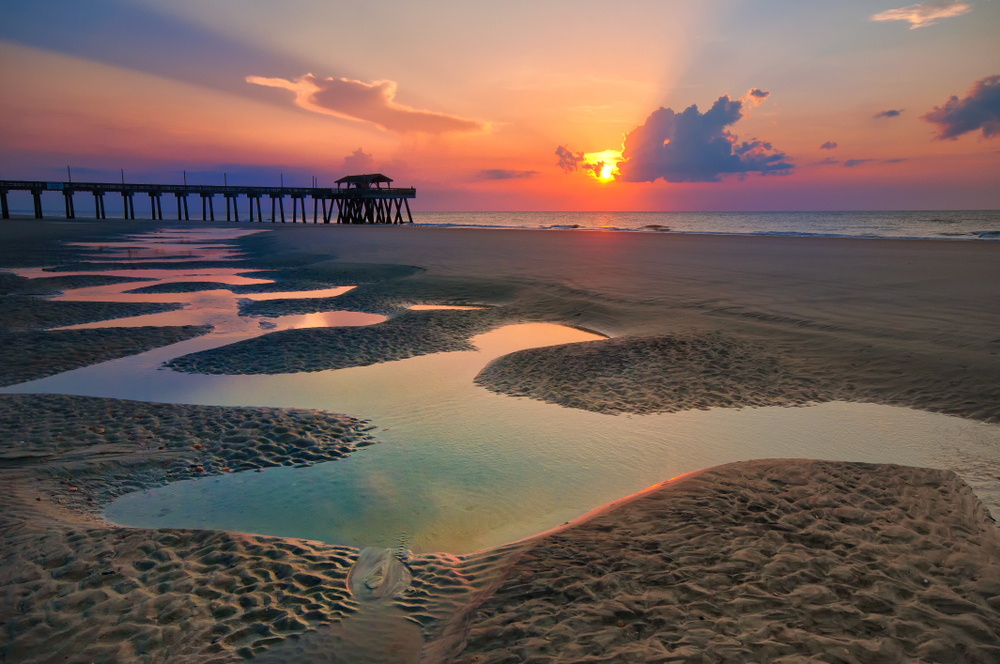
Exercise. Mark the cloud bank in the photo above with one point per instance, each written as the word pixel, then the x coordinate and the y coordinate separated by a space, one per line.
pixel 504 174
pixel 925 13
pixel 979 110
pixel 696 147
pixel 367 102
pixel 891 113
pixel 358 162
pixel 829 145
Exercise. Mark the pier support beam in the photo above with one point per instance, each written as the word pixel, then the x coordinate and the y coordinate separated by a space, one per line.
pixel 68 199
pixel 178 195
pixel 211 210
pixel 99 204
pixel 255 200
pixel 4 209
pixel 236 211
pixel 155 206
pixel 128 198
pixel 36 195
pixel 298 202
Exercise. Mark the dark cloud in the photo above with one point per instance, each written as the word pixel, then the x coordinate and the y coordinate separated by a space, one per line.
pixel 896 161
pixel 829 161
pixel 979 110
pixel 891 113
pixel 695 147
pixel 569 161
pixel 369 102
pixel 504 174
pixel 358 163
pixel 757 93
pixel 851 163
pixel 829 145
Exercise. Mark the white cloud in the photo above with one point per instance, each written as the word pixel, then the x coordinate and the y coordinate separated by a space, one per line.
pixel 369 102
pixel 925 13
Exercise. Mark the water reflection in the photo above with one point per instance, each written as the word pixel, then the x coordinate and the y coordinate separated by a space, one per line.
pixel 460 468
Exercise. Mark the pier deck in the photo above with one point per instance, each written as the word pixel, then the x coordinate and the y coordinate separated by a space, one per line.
pixel 362 201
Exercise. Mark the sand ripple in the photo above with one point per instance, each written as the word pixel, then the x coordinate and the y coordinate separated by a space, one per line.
pixel 761 561
pixel 681 371
pixel 318 349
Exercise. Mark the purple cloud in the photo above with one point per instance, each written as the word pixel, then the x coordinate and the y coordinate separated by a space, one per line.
pixel 851 163
pixel 891 113
pixel 358 162
pixel 829 145
pixel 696 147
pixel 979 110
pixel 569 161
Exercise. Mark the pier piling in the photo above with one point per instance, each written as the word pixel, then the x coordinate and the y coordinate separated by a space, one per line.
pixel 364 199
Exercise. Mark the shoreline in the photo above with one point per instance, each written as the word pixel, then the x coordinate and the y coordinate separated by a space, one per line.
pixel 654 229
pixel 903 323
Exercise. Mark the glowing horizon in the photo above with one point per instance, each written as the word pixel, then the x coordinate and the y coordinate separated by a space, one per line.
pixel 719 105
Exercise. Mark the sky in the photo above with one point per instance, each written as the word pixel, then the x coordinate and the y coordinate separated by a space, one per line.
pixel 542 105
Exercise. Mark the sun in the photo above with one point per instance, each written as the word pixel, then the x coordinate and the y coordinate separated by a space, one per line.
pixel 603 166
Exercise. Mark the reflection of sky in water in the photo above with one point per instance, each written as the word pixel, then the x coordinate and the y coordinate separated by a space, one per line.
pixel 459 468
pixel 218 307
pixel 174 245
pixel 442 307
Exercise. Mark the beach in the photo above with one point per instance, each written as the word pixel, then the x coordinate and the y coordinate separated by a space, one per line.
pixel 764 560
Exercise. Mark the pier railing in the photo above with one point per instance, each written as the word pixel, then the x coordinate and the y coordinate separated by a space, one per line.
pixel 353 205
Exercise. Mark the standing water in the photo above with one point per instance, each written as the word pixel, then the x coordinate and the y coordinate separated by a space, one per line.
pixel 459 468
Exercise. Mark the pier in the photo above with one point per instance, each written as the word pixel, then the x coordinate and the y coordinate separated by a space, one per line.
pixel 357 199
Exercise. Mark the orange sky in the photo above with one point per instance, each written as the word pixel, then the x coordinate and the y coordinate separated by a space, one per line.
pixel 469 104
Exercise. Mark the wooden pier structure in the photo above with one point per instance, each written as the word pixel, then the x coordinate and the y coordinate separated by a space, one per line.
pixel 358 199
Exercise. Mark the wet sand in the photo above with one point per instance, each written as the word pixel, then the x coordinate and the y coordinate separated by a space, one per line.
pixel 779 560
pixel 762 561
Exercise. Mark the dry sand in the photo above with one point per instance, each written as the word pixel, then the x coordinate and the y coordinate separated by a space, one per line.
pixel 785 560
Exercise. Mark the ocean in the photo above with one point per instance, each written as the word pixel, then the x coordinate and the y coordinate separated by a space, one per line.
pixel 931 224
pixel 934 224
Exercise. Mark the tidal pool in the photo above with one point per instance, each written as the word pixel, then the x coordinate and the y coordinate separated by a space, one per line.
pixel 459 468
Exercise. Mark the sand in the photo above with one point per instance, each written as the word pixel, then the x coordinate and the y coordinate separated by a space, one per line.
pixel 75 589
pixel 32 355
pixel 900 322
pixel 409 334
pixel 765 561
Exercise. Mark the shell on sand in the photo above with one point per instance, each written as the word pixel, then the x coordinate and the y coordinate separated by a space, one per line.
pixel 377 574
